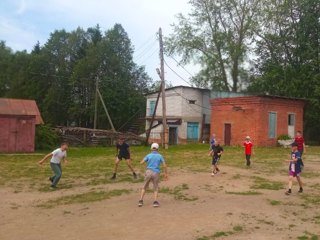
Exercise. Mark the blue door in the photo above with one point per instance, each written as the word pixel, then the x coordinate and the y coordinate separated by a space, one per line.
pixel 193 131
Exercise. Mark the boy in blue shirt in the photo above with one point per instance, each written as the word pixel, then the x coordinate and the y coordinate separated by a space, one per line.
pixel 294 168
pixel 153 161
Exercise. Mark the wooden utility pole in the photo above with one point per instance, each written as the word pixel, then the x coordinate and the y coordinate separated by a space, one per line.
pixel 163 94
pixel 106 110
pixel 98 95
pixel 95 106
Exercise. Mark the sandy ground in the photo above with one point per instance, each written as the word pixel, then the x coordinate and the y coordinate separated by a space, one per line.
pixel 215 210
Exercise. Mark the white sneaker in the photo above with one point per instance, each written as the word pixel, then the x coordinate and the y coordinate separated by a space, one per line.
pixel 212 174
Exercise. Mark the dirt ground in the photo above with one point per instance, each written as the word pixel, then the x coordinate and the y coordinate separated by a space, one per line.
pixel 211 208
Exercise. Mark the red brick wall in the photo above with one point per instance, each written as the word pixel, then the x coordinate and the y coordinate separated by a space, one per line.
pixel 249 116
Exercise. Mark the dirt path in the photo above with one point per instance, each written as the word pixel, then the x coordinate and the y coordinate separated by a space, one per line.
pixel 222 206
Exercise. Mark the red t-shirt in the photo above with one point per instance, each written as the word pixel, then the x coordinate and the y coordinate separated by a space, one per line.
pixel 247 147
pixel 299 141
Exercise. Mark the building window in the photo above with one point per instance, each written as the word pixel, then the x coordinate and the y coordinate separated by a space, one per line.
pixel 192 101
pixel 291 119
pixel 272 124
pixel 152 107
pixel 291 124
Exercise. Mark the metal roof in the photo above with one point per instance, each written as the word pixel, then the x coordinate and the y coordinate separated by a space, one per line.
pixel 18 107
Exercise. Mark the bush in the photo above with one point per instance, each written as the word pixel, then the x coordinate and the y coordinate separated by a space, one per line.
pixel 46 138
pixel 284 137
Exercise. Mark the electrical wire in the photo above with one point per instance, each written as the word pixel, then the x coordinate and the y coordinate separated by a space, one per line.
pixel 147 58
pixel 147 49
pixel 177 74
pixel 179 64
pixel 146 42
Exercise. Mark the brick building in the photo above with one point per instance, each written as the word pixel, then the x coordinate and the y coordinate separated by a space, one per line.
pixel 263 118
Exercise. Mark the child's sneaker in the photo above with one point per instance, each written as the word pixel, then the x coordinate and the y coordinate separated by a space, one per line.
pixel 212 174
pixel 140 203
pixel 300 190
pixel 288 192
pixel 113 177
pixel 156 204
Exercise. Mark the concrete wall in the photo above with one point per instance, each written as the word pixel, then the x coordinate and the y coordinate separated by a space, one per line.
pixel 179 107
pixel 249 116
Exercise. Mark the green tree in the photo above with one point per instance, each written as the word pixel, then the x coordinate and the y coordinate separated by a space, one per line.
pixel 61 76
pixel 288 48
pixel 121 82
pixel 5 62
pixel 216 34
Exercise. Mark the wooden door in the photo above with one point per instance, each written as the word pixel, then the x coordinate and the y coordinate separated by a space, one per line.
pixel 173 135
pixel 227 134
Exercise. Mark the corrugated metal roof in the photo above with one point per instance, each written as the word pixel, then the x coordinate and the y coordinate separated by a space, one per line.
pixel 10 106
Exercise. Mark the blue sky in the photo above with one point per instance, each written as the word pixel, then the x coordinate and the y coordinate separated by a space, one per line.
pixel 24 22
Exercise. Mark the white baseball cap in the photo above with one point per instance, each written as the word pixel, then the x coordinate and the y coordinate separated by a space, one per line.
pixel 247 137
pixel 154 146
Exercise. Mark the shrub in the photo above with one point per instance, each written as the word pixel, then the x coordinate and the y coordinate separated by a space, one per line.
pixel 284 137
pixel 46 138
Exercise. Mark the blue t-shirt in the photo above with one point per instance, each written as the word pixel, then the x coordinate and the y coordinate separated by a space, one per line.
pixel 154 161
pixel 212 142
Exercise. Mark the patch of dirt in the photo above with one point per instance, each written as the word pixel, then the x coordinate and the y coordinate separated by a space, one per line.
pixel 214 212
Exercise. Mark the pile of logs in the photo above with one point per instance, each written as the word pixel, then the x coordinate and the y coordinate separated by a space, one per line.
pixel 77 136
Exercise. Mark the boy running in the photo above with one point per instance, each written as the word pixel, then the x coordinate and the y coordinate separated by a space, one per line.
pixel 153 161
pixel 123 151
pixel 248 150
pixel 294 168
pixel 216 153
pixel 55 163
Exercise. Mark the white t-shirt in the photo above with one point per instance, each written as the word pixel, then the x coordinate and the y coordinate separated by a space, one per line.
pixel 58 155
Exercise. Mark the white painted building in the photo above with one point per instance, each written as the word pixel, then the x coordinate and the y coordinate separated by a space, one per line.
pixel 188 115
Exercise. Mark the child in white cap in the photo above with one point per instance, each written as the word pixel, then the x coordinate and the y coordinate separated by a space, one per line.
pixel 153 161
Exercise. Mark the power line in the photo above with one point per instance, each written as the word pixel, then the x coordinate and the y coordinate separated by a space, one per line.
pixel 181 65
pixel 146 42
pixel 148 57
pixel 147 48
pixel 177 74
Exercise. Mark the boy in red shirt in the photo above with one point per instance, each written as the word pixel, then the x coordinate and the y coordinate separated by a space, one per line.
pixel 300 142
pixel 248 150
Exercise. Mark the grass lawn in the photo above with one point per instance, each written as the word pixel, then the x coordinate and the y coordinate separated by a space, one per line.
pixel 94 165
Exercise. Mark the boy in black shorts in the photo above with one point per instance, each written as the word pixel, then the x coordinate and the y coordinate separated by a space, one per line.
pixel 123 152
pixel 216 153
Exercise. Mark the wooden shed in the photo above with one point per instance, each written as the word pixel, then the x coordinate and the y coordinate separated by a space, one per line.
pixel 18 119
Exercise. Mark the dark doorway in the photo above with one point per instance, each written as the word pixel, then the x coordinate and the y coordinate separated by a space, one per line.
pixel 227 134
pixel 173 136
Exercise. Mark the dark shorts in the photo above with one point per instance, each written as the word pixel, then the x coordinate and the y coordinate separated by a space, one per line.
pixel 126 157
pixel 215 160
